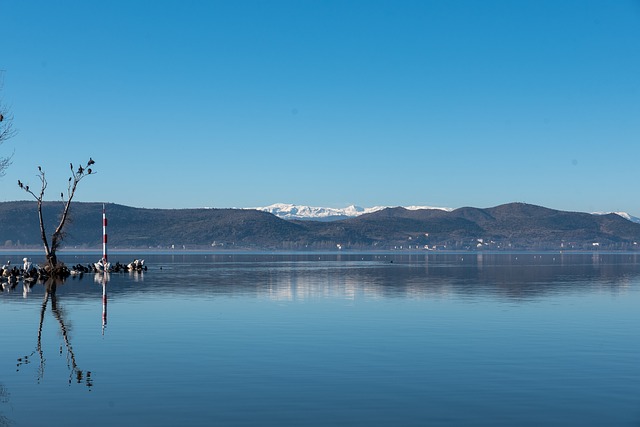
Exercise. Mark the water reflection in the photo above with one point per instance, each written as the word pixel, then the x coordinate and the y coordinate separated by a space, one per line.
pixel 10 284
pixel 136 275
pixel 102 279
pixel 376 339
pixel 519 276
pixel 512 276
pixel 80 376
pixel 516 276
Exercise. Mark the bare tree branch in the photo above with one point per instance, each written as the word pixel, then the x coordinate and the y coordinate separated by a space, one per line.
pixel 58 235
pixel 6 131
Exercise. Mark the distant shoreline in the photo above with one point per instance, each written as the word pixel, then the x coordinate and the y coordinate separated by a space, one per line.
pixel 130 251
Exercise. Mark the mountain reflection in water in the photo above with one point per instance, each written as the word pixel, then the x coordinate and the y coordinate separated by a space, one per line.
pixel 299 276
pixel 518 276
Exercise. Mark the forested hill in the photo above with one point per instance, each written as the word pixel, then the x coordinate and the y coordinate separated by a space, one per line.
pixel 514 226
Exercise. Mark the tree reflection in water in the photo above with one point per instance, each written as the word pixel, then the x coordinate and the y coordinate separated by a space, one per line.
pixel 59 314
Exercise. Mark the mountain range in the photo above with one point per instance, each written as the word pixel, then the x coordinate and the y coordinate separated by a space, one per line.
pixel 512 226
pixel 302 212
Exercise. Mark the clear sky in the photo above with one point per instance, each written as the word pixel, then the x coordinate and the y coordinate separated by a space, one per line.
pixel 327 103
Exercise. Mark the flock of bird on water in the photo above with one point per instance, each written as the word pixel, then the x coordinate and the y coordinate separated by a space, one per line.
pixel 31 273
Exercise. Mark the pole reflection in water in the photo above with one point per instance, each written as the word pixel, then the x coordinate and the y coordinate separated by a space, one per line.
pixel 103 279
pixel 59 314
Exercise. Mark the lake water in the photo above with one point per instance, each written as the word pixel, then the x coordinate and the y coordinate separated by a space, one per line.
pixel 328 340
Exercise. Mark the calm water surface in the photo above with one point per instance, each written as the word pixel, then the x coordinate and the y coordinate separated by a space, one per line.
pixel 328 340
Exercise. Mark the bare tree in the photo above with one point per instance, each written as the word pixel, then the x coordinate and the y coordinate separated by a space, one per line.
pixel 6 130
pixel 53 267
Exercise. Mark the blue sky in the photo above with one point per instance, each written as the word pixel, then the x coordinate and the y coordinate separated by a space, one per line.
pixel 327 103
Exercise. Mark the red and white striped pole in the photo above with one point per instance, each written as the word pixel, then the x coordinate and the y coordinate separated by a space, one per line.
pixel 105 273
pixel 104 235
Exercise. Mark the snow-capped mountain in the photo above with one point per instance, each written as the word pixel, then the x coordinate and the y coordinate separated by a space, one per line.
pixel 622 214
pixel 302 212
pixel 290 211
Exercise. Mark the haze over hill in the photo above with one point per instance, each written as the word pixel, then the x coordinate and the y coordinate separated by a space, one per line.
pixel 513 226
